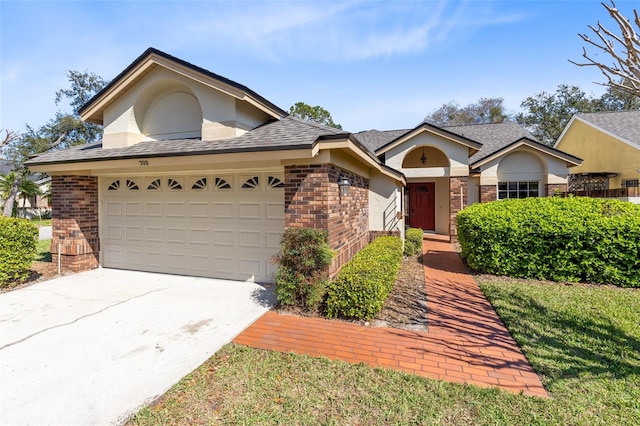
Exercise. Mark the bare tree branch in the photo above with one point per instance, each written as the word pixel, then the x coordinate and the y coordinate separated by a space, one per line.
pixel 9 137
pixel 624 71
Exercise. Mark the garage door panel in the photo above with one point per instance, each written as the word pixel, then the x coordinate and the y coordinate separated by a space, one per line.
pixel 132 208
pixel 199 210
pixel 249 210
pixel 199 236
pixel 250 239
pixel 154 234
pixel 153 209
pixel 133 233
pixel 275 211
pixel 114 232
pixel 113 208
pixel 176 235
pixel 175 209
pixel 223 210
pixel 223 237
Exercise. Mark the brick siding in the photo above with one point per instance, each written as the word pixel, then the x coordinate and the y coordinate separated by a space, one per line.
pixel 551 188
pixel 456 185
pixel 488 193
pixel 74 208
pixel 312 200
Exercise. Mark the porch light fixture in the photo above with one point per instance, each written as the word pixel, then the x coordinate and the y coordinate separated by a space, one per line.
pixel 343 186
pixel 423 158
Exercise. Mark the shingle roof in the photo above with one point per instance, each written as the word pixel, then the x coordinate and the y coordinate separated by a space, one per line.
pixel 374 139
pixel 493 137
pixel 288 133
pixel 153 51
pixel 625 124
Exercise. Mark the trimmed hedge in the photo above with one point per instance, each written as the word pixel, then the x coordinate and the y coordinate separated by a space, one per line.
pixel 363 284
pixel 302 277
pixel 571 239
pixel 18 240
pixel 413 241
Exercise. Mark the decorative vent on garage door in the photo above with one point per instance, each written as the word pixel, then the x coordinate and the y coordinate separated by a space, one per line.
pixel 173 184
pixel 132 186
pixel 251 183
pixel 154 186
pixel 222 184
pixel 115 185
pixel 275 182
pixel 200 184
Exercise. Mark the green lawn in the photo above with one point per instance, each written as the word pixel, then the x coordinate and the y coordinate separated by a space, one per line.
pixel 43 222
pixel 43 253
pixel 584 341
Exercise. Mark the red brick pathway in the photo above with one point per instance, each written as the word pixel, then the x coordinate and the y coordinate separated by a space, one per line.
pixel 465 343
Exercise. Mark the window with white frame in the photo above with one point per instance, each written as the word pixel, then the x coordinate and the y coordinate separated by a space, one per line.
pixel 507 190
pixel 630 183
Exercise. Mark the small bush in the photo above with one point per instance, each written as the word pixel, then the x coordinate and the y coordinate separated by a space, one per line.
pixel 302 277
pixel 560 239
pixel 363 284
pixel 18 240
pixel 413 241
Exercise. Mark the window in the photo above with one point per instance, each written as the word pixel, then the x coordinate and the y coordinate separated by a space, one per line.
pixel 630 183
pixel 517 190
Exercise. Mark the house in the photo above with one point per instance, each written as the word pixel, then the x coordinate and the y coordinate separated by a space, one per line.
pixel 31 206
pixel 609 144
pixel 199 175
pixel 448 168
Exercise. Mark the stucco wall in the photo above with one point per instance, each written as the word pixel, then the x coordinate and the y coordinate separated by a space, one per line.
pixel 525 164
pixel 457 154
pixel 600 152
pixel 385 202
pixel 171 102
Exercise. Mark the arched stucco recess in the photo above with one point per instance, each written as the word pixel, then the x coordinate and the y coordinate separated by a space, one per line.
pixel 168 109
pixel 521 166
pixel 434 156
pixel 457 156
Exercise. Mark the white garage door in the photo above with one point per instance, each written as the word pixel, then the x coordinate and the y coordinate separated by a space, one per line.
pixel 211 225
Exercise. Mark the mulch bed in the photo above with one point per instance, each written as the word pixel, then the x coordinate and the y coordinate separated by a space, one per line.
pixel 40 271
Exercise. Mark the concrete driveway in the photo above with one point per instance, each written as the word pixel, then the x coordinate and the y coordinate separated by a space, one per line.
pixel 92 348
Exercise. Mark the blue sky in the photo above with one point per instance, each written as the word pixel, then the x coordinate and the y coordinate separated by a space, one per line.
pixel 372 64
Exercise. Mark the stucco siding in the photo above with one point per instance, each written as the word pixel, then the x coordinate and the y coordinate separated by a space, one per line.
pixel 385 202
pixel 600 152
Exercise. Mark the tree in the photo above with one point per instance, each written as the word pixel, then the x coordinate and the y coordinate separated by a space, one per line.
pixel 485 110
pixel 547 114
pixel 61 131
pixel 26 187
pixel 616 99
pixel 315 113
pixel 624 71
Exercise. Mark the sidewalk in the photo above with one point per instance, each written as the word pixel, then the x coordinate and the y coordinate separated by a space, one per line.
pixel 465 343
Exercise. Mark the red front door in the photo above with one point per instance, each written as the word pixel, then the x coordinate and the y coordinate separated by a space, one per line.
pixel 422 206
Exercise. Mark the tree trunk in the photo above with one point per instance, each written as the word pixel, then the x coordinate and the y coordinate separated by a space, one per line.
pixel 11 199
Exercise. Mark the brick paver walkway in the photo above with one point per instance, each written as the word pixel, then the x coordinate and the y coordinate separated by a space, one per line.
pixel 466 342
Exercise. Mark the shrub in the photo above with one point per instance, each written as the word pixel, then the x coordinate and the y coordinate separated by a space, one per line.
pixel 413 241
pixel 560 239
pixel 302 277
pixel 18 240
pixel 363 284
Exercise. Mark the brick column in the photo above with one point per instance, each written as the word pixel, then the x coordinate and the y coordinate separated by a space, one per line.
pixel 458 200
pixel 312 200
pixel 74 208
pixel 488 193
pixel 551 188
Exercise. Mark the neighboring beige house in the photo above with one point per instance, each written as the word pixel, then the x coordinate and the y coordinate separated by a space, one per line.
pixel 199 175
pixel 609 144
